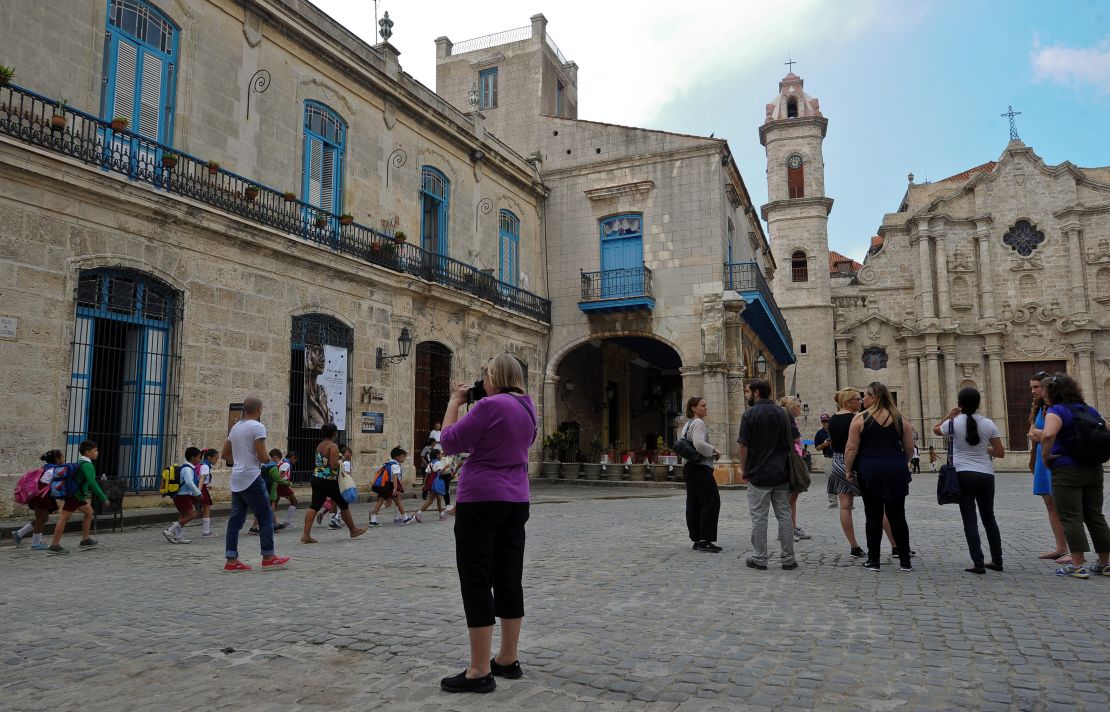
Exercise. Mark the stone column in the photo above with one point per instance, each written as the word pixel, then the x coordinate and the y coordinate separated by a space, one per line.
pixel 925 264
pixel 715 391
pixel 913 380
pixel 1085 367
pixel 948 394
pixel 549 406
pixel 842 355
pixel 996 387
pixel 986 275
pixel 944 302
pixel 933 396
pixel 1075 266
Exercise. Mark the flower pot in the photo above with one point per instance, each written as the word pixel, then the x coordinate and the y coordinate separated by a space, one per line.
pixel 399 239
pixel 321 223
pixel 550 470
pixel 569 470
pixel 119 125
pixel 659 472
pixel 169 162
pixel 213 170
pixel 637 472
pixel 346 219
pixel 57 122
pixel 591 471
pixel 289 197
pixel 250 193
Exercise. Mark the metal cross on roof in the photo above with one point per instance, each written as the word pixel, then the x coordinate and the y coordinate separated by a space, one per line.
pixel 790 63
pixel 1013 125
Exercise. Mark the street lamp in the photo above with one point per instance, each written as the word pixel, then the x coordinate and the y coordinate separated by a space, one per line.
pixel 404 345
pixel 761 366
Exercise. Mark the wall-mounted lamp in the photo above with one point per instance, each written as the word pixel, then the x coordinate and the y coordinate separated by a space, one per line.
pixel 568 386
pixel 404 345
pixel 761 366
pixel 805 410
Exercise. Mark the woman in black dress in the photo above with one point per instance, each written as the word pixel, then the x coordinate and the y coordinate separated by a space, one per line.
pixel 880 439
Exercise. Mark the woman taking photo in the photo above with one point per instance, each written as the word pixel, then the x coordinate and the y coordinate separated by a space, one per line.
pixel 975 440
pixel 880 439
pixel 1076 484
pixel 491 510
pixel 703 499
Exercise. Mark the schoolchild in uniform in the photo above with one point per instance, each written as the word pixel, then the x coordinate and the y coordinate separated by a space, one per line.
pixel 207 464
pixel 387 487
pixel 285 488
pixel 183 499
pixel 85 486
pixel 43 505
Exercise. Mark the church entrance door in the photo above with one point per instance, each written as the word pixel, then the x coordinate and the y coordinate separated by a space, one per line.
pixel 1018 399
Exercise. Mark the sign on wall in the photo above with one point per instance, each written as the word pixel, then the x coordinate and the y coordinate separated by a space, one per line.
pixel 234 414
pixel 373 422
pixel 325 386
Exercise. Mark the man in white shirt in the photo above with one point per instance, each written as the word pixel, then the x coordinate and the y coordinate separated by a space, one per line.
pixel 245 451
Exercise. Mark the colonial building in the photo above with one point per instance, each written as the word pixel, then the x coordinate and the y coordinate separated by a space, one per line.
pixel 217 209
pixel 979 279
pixel 657 263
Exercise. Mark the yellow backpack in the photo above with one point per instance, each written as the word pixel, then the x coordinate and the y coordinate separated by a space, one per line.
pixel 171 481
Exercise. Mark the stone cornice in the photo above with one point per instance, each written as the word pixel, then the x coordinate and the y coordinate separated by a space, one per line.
pixel 825 203
pixel 818 122
pixel 614 191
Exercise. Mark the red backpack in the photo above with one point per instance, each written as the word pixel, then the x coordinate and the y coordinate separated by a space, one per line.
pixel 29 486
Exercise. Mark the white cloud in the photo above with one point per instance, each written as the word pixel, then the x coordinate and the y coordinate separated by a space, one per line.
pixel 1079 67
pixel 633 56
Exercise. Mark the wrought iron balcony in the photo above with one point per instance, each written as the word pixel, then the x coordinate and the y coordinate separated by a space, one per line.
pixel 617 290
pixel 30 117
pixel 763 312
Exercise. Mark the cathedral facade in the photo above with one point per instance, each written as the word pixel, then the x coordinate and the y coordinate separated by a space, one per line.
pixel 980 279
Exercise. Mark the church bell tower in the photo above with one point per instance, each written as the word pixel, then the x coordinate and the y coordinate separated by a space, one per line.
pixel 797 214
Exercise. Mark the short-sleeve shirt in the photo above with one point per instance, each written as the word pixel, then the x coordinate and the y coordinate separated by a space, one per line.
pixel 970 458
pixel 821 436
pixel 247 467
pixel 1062 445
pixel 766 431
pixel 205 474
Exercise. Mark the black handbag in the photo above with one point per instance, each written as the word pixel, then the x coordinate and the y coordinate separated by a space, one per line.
pixel 684 447
pixel 948 481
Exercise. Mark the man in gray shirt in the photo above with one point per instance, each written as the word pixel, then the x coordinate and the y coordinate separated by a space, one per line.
pixel 765 442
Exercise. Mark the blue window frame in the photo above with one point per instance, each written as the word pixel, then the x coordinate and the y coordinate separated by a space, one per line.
pixel 435 197
pixel 487 80
pixel 325 136
pixel 139 73
pixel 622 255
pixel 509 260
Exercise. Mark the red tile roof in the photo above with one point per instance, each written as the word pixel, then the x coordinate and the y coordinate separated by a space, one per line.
pixel 984 168
pixel 836 259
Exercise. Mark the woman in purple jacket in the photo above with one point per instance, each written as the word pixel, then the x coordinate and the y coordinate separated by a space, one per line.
pixel 492 507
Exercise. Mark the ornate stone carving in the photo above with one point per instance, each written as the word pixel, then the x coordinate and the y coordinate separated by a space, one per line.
pixel 1028 265
pixel 1100 256
pixel 867 275
pixel 961 262
pixel 1023 238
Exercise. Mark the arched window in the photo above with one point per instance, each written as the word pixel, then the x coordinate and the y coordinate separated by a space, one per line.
pixel 792 107
pixel 795 177
pixel 509 260
pixel 325 135
pixel 435 197
pixel 799 267
pixel 123 386
pixel 140 52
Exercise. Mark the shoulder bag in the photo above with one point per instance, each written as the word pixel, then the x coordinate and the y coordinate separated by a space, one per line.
pixel 948 481
pixel 796 466
pixel 684 447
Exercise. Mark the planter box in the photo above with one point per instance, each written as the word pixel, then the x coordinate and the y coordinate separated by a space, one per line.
pixel 636 473
pixel 570 470
pixel 591 471
pixel 550 470
pixel 659 472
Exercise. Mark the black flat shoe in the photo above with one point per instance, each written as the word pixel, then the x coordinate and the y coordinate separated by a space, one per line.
pixel 753 564
pixel 462 683
pixel 710 547
pixel 894 553
pixel 993 566
pixel 511 671
pixel 976 570
pixel 790 567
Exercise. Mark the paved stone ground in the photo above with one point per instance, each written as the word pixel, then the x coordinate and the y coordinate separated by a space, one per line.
pixel 621 615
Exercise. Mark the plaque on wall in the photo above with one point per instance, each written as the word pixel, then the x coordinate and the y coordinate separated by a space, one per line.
pixel 373 422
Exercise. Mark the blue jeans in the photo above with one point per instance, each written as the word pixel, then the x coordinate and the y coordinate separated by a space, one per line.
pixel 256 498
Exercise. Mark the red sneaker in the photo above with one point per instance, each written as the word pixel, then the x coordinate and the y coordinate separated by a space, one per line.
pixel 237 566
pixel 275 563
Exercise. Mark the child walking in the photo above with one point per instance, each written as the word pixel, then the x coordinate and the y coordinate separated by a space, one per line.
pixel 387 486
pixel 43 505
pixel 932 458
pixel 434 485
pixel 82 486
pixel 183 499
pixel 207 463
pixel 285 488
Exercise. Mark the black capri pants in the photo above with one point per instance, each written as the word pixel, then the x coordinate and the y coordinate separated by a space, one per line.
pixel 489 552
pixel 322 488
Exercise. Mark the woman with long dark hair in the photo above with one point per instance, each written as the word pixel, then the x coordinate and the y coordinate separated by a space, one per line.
pixel 881 439
pixel 1042 476
pixel 975 440
pixel 1076 483
pixel 703 499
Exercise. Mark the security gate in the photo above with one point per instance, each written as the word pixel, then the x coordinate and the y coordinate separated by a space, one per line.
pixel 312 330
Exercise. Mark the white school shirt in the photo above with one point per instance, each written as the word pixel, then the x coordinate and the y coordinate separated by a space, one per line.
pixel 205 473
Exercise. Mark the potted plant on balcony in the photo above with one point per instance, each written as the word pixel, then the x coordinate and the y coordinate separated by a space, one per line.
pixel 213 168
pixel 6 75
pixel 400 236
pixel 552 445
pixel 250 192
pixel 120 123
pixel 169 160
pixel 58 119
pixel 289 196
pixel 320 219
pixel 346 219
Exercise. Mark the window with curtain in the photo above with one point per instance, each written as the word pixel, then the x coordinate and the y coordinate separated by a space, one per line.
pixel 325 135
pixel 138 77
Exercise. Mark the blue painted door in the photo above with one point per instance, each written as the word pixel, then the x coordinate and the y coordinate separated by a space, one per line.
pixel 622 257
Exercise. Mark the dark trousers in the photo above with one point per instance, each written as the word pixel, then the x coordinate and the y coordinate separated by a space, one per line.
pixel 703 502
pixel 1077 492
pixel 874 507
pixel 489 553
pixel 977 490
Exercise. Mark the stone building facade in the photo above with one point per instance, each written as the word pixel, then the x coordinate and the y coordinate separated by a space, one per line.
pixel 145 291
pixel 658 267
pixel 979 280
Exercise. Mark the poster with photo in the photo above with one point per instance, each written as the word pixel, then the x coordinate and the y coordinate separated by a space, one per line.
pixel 334 379
pixel 325 386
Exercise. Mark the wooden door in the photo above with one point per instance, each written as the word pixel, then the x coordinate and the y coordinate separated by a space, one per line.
pixel 433 390
pixel 1019 400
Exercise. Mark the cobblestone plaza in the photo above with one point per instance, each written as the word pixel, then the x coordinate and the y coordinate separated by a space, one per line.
pixel 621 614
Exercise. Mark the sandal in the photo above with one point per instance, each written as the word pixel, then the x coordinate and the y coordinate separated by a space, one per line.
pixel 1053 555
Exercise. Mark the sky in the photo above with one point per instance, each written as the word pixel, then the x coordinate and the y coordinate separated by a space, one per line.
pixel 907 87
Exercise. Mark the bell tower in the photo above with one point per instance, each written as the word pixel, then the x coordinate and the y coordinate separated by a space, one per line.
pixel 797 214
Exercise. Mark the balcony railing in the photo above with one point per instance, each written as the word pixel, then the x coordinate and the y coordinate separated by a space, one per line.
pixel 29 117
pixel 747 277
pixel 625 288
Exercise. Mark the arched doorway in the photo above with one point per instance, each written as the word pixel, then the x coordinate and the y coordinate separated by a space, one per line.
pixel 430 396
pixel 616 396
pixel 123 382
pixel 320 352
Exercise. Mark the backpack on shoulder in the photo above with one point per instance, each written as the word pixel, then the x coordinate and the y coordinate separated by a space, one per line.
pixel 1090 440
pixel 382 484
pixel 64 482
pixel 171 481
pixel 29 486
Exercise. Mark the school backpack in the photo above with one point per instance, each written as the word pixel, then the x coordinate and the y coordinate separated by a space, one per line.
pixel 171 481
pixel 29 486
pixel 1090 440
pixel 440 486
pixel 64 481
pixel 384 475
